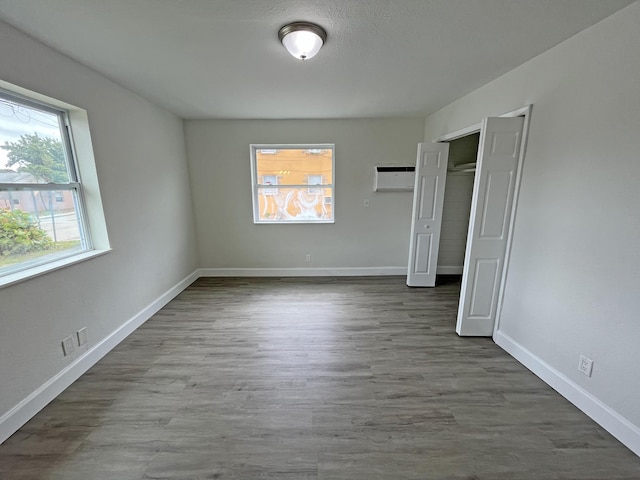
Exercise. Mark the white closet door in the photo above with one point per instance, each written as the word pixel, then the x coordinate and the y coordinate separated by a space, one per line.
pixel 426 219
pixel 498 161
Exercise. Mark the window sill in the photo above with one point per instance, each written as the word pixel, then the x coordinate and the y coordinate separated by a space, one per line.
pixel 291 222
pixel 36 271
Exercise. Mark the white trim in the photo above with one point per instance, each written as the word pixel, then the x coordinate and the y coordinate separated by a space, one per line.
pixel 40 186
pixel 605 416
pixel 15 418
pixel 526 113
pixel 319 272
pixel 44 268
pixel 475 128
pixel 302 272
pixel 463 132
pixel 518 112
pixel 256 185
pixel 449 270
pixel 81 169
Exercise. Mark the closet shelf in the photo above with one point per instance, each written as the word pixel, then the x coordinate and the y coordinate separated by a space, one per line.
pixel 462 168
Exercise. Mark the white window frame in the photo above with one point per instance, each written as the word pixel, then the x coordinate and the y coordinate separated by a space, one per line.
pixel 256 185
pixel 79 158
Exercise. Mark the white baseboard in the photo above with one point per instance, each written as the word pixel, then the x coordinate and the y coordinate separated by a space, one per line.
pixel 448 270
pixel 302 272
pixel 318 272
pixel 15 418
pixel 605 416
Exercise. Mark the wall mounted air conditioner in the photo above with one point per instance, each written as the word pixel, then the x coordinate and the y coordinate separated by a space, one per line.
pixel 394 178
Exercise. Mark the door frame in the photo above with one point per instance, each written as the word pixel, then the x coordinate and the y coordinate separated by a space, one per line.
pixel 475 128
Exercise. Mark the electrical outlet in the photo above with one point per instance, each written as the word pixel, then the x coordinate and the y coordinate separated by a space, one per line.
pixel 307 258
pixel 67 346
pixel 82 336
pixel 585 365
pixel 366 202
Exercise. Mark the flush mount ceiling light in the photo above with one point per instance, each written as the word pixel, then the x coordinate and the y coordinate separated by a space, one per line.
pixel 302 39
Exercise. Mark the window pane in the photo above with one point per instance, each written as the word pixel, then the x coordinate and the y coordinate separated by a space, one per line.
pixel 286 204
pixel 37 226
pixel 294 166
pixel 31 145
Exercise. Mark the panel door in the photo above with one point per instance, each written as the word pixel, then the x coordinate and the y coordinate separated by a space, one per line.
pixel 494 184
pixel 426 218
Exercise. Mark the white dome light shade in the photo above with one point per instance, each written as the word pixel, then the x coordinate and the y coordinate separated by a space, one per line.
pixel 302 40
pixel 302 44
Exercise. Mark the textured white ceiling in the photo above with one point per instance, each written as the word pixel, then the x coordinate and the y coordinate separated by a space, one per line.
pixel 223 59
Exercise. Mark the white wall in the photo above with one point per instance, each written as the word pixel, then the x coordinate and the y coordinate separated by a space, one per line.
pixel 375 236
pixel 573 285
pixel 141 165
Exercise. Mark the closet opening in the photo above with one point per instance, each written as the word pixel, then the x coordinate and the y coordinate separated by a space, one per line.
pixel 466 227
pixel 462 217
pixel 456 207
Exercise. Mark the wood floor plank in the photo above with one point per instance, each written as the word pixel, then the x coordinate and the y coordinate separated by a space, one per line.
pixel 311 379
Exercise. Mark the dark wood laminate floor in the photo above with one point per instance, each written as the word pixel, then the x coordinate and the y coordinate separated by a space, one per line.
pixel 317 378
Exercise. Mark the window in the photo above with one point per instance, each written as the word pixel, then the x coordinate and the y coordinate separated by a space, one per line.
pixel 293 168
pixel 270 180
pixel 315 180
pixel 41 199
